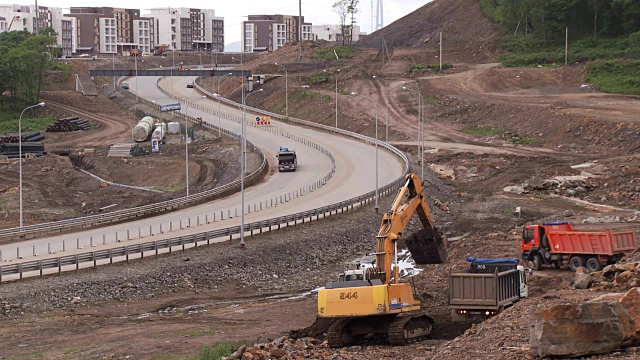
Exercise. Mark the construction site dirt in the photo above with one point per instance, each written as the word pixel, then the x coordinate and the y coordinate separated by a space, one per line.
pixel 563 152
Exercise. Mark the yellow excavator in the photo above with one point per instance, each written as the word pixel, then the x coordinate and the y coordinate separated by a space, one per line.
pixel 373 301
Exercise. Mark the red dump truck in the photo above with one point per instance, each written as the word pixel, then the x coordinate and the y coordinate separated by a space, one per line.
pixel 557 243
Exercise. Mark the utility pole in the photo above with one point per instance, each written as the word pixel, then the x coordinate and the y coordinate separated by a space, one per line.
pixel 37 18
pixel 300 28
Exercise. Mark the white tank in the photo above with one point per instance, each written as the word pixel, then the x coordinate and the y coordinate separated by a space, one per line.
pixel 174 128
pixel 144 128
pixel 159 131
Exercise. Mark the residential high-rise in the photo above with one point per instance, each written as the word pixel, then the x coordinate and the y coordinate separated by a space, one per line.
pixel 110 30
pixel 188 29
pixel 271 32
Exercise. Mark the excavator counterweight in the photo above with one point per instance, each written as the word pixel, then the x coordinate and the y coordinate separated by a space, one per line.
pixel 373 301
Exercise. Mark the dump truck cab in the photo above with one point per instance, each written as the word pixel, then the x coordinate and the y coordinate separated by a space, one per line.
pixel 287 159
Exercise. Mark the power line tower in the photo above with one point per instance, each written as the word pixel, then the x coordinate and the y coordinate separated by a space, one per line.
pixel 377 17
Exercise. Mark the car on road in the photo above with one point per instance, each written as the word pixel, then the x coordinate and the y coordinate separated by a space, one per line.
pixel 125 85
pixel 189 84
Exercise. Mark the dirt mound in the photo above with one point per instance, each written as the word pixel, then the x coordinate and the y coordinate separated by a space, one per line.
pixel 465 30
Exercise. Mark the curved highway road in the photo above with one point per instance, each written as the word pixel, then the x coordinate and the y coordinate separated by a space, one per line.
pixel 355 175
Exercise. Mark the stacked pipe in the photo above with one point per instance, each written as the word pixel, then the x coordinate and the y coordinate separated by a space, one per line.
pixel 12 150
pixel 73 123
pixel 31 136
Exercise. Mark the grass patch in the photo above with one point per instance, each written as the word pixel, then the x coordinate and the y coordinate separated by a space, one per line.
pixel 431 101
pixel 217 351
pixel 522 141
pixel 301 94
pixel 9 122
pixel 483 130
pixel 317 78
pixel 528 51
pixel 172 188
pixel 344 52
pixel 414 68
pixel 615 76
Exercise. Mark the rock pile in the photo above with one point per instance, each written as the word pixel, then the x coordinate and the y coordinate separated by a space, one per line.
pixel 9 309
pixel 617 276
pixel 567 185
pixel 284 348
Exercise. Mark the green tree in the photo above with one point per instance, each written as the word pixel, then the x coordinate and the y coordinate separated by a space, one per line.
pixel 352 10
pixel 26 58
pixel 341 8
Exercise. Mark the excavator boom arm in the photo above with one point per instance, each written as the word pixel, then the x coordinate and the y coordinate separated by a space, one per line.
pixel 429 245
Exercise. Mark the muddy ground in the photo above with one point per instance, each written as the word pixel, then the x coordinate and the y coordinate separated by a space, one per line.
pixel 177 304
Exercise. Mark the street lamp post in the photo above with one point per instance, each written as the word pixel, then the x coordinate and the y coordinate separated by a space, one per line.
pixel 243 163
pixel 218 96
pixel 186 142
pixel 286 90
pixel 20 151
pixel 420 128
pixel 386 137
pixel 335 75
pixel 375 105
pixel 137 89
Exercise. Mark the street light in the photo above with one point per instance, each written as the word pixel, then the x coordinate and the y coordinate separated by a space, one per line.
pixel 420 129
pixel 286 90
pixel 20 151
pixel 243 162
pixel 335 76
pixel 375 105
pixel 186 142
pixel 386 137
pixel 218 96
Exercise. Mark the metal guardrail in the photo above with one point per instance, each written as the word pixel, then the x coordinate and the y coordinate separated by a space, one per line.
pixel 170 205
pixel 140 211
pixel 153 246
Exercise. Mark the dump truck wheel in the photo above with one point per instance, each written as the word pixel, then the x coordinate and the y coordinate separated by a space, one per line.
pixel 537 262
pixel 593 265
pixel 575 263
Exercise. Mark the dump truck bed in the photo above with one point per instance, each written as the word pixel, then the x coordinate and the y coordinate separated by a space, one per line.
pixel 606 242
pixel 483 291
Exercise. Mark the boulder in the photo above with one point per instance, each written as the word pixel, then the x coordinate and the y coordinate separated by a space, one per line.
pixel 631 302
pixel 514 189
pixel 575 330
pixel 582 280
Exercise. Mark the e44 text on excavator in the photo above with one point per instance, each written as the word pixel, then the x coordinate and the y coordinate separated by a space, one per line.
pixel 373 301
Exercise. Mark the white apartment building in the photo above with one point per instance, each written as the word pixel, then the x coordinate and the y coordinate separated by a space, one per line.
pixel 333 33
pixel 188 29
pixel 107 30
pixel 15 17
pixel 143 34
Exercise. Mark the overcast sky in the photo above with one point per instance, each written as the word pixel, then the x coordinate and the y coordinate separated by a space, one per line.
pixel 314 11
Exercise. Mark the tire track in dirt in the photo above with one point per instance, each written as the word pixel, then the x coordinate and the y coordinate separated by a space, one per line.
pixel 110 131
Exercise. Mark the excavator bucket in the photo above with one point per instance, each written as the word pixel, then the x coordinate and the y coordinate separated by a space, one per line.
pixel 428 246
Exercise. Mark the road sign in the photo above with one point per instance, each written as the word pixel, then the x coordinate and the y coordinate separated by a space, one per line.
pixel 170 107
pixel 263 120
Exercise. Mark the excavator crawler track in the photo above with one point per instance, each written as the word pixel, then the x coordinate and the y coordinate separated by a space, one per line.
pixel 409 329
pixel 334 335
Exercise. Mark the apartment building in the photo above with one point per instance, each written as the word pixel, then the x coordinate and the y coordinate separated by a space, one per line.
pixel 271 32
pixel 188 29
pixel 108 30
pixel 333 33
pixel 23 17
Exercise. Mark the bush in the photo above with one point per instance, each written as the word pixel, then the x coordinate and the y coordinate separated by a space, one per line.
pixel 615 76
pixel 413 68
pixel 344 52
